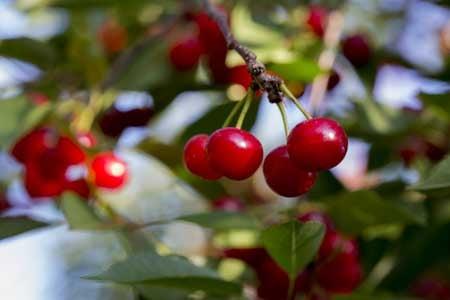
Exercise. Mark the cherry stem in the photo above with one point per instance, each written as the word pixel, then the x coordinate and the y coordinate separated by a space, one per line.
pixel 294 100
pixel 233 112
pixel 282 110
pixel 248 101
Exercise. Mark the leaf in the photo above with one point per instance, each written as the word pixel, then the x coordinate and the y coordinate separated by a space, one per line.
pixel 300 69
pixel 174 272
pixel 354 212
pixel 325 185
pixel 12 113
pixel 438 181
pixel 294 244
pixel 438 102
pixel 78 213
pixel 88 4
pixel 151 292
pixel 29 50
pixel 11 226
pixel 357 296
pixel 221 220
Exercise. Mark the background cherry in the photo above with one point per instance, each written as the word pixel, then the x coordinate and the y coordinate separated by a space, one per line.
pixel 112 36
pixel 108 170
pixel 185 54
pixel 317 144
pixel 230 204
pixel 284 177
pixel 357 50
pixel 234 152
pixel 196 158
pixel 317 19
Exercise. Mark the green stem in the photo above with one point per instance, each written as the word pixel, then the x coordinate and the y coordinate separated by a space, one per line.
pixel 248 101
pixel 233 113
pixel 294 100
pixel 282 110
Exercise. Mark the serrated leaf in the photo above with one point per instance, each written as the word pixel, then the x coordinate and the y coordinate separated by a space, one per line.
pixel 174 272
pixel 78 213
pixel 221 220
pixel 438 180
pixel 11 226
pixel 294 244
pixel 354 212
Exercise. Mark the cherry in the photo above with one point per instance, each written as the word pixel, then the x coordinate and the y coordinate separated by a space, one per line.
pixel 357 50
pixel 318 217
pixel 29 146
pixel 108 170
pixel 38 98
pixel 4 203
pixel 229 204
pixel 284 177
pixel 79 186
pixel 235 153
pixel 240 75
pixel 333 80
pixel 251 256
pixel 114 121
pixel 196 158
pixel 112 36
pixel 185 54
pixel 87 139
pixel 431 288
pixel 317 144
pixel 333 243
pixel 317 19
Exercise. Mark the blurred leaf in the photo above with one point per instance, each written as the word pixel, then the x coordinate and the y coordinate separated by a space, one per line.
pixel 171 155
pixel 294 244
pixel 426 247
pixel 222 220
pixel 92 3
pixel 78 213
pixel 439 102
pixel 156 293
pixel 214 119
pixel 438 180
pixel 11 226
pixel 354 212
pixel 325 185
pixel 176 273
pixel 380 154
pixel 33 51
pixel 18 115
pixel 300 69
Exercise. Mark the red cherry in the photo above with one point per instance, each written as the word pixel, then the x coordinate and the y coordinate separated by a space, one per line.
pixel 334 243
pixel 32 144
pixel 240 75
pixel 357 50
pixel 38 98
pixel 435 152
pixel 333 81
pixel 79 186
pixel 317 19
pixel 251 256
pixel 318 217
pixel 87 139
pixel 317 144
pixel 229 204
pixel 234 152
pixel 39 185
pixel 115 121
pixel 185 54
pixel 196 158
pixel 108 170
pixel 341 274
pixel 273 281
pixel 284 177
pixel 112 36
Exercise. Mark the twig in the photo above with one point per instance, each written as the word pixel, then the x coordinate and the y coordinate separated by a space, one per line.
pixel 270 83
pixel 327 58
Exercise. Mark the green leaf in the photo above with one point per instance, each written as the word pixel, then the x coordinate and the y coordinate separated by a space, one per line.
pixel 300 69
pixel 29 50
pixel 355 212
pixel 174 272
pixel 11 226
pixel 326 185
pixel 221 220
pixel 438 181
pixel 294 244
pixel 151 292
pixel 78 213
pixel 357 296
pixel 88 4
pixel 438 102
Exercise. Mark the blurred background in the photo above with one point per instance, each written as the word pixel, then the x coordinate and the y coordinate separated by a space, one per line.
pixel 108 67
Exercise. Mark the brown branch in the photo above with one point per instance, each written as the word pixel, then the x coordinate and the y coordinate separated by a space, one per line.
pixel 262 80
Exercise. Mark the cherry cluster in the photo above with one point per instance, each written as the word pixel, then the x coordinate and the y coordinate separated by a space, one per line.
pixel 336 269
pixel 54 162
pixel 208 42
pixel 290 170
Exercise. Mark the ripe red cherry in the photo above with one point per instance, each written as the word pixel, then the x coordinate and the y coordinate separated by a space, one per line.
pixel 251 256
pixel 334 243
pixel 284 177
pixel 240 75
pixel 29 146
pixel 79 186
pixel 357 50
pixel 229 204
pixel 317 217
pixel 112 36
pixel 196 158
pixel 317 19
pixel 317 144
pixel 185 54
pixel 108 170
pixel 234 152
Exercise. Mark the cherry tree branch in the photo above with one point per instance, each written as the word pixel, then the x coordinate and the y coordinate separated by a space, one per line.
pixel 263 80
